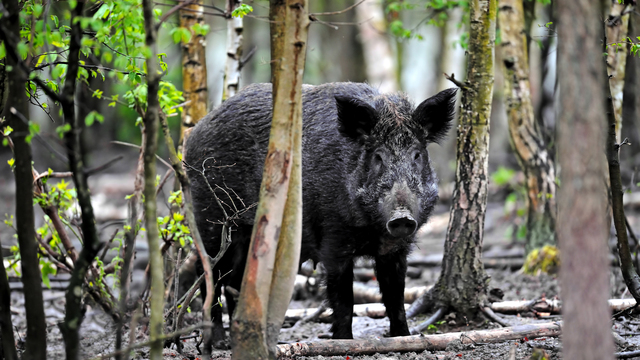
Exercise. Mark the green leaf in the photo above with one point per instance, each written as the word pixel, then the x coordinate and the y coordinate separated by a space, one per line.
pixel 37 10
pixel 55 21
pixel 503 176
pixel 61 130
pixel 11 162
pixel 3 51
pixel 90 118
pixel 7 130
pixel 23 49
pixel 241 11
pixel 58 70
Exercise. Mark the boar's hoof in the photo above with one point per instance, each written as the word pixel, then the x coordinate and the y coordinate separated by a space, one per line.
pixel 401 224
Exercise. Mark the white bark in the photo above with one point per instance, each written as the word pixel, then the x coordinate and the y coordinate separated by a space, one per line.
pixel 379 57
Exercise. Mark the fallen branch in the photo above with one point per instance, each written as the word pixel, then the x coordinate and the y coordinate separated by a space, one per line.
pixel 363 294
pixel 374 310
pixel 497 263
pixel 551 306
pixel 417 343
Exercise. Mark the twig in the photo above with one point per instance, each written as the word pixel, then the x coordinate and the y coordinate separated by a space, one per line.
pixel 175 290
pixel 106 246
pixel 187 301
pixel 435 317
pixel 455 81
pixel 204 324
pixel 139 147
pixel 164 180
pixel 337 12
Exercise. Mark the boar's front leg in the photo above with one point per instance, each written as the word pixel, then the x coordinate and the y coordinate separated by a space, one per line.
pixel 391 271
pixel 340 294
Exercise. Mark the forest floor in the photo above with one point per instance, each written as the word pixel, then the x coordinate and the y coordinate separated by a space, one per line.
pixel 98 330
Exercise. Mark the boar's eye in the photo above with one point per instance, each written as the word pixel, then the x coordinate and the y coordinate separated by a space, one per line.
pixel 417 156
pixel 377 161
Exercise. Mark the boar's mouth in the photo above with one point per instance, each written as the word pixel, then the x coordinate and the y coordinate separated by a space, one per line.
pixel 401 223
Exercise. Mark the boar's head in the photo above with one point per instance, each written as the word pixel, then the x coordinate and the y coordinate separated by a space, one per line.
pixel 393 184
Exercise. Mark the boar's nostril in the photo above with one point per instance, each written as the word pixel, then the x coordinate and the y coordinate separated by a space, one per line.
pixel 401 226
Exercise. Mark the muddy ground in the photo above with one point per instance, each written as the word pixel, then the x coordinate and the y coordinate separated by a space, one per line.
pixel 98 330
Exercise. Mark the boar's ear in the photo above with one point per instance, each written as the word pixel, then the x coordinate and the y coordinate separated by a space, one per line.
pixel 436 114
pixel 356 118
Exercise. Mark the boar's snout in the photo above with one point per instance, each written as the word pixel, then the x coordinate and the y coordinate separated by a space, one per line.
pixel 401 223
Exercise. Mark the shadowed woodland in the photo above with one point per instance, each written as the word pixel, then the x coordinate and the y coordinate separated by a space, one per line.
pixel 455 179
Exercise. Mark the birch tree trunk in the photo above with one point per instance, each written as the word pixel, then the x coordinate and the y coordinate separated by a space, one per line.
pixel 617 30
pixel 194 68
pixel 526 138
pixel 582 201
pixel 380 61
pixel 151 126
pixel 267 286
pixel 463 282
pixel 234 51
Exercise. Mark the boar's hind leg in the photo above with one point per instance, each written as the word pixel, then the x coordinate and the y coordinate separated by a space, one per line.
pixel 340 294
pixel 391 271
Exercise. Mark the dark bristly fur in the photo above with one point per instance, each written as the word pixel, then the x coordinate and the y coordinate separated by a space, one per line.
pixel 365 161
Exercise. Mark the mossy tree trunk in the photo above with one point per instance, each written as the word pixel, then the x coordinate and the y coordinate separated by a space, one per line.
pixel 463 282
pixel 525 135
pixel 267 286
pixel 582 238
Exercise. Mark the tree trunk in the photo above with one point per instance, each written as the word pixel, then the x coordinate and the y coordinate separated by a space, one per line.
pixel 267 287
pixel 526 138
pixel 617 30
pixel 630 275
pixel 463 281
pixel 8 348
pixel 194 68
pixel 16 113
pixel 631 102
pixel 582 238
pixel 288 56
pixel 151 123
pixel 379 58
pixel 234 51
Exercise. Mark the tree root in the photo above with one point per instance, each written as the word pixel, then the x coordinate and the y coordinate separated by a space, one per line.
pixel 435 317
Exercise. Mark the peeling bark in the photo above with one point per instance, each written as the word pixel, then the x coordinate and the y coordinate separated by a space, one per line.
pixel 582 201
pixel 194 68
pixel 525 135
pixel 267 286
pixel 463 282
